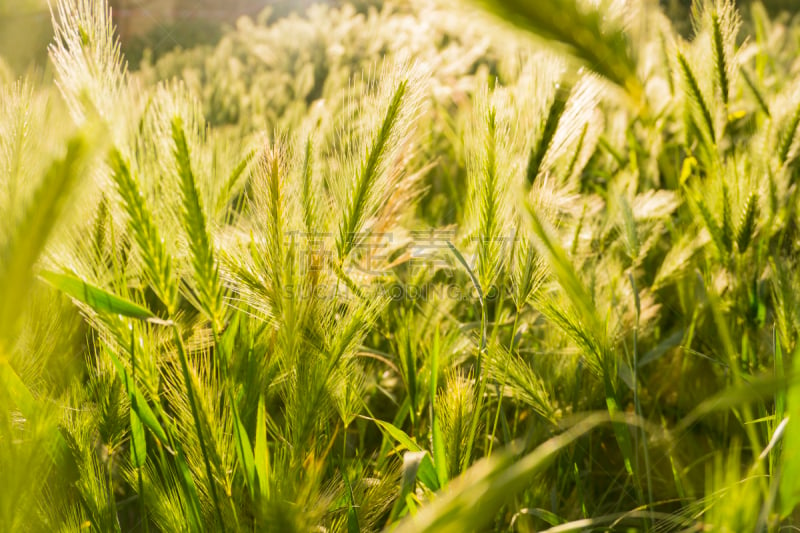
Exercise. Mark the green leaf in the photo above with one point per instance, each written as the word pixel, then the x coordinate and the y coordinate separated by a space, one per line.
pixel 352 516
pixel 138 441
pixel 261 452
pixel 474 498
pixel 399 435
pixel 244 450
pixel 16 388
pixel 437 441
pixel 621 432
pixel 191 498
pixel 427 473
pixel 466 266
pixel 22 248
pixel 546 516
pixel 98 299
pixel 789 489
pixel 583 32
pixel 138 403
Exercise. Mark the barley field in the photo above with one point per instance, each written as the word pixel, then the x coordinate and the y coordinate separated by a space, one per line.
pixel 452 266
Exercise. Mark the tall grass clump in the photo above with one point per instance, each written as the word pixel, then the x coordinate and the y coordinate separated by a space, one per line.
pixel 405 270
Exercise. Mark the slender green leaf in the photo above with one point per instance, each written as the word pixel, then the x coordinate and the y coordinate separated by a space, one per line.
pixel 98 299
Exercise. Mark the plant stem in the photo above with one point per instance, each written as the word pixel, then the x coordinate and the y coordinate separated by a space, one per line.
pixel 503 383
pixel 198 426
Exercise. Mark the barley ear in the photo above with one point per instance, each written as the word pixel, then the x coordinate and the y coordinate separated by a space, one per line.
pixel 309 198
pixel 720 60
pixel 206 271
pixel 759 96
pixel 359 196
pixel 696 96
pixel 157 261
pixel 787 139
pixel 747 225
pixel 539 151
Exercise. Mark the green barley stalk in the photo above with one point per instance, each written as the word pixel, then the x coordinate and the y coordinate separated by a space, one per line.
pixel 356 210
pixel 210 293
pixel 539 151
pixel 489 196
pixel 720 60
pixel 720 20
pixel 787 140
pixel 157 262
pixel 716 231
pixel 751 84
pixel 309 197
pixel 206 270
pixel 273 204
pixel 158 266
pixel 727 220
pixel 584 31
pixel 191 394
pixel 696 96
pixel 747 224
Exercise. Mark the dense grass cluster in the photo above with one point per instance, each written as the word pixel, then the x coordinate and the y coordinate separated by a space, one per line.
pixel 506 266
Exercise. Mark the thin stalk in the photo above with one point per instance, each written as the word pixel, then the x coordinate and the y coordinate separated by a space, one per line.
pixel 139 479
pixel 640 433
pixel 503 383
pixel 224 379
pixel 198 426
pixel 481 384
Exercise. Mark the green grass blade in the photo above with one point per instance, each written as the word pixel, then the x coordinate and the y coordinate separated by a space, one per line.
pixel 244 451
pixel 261 458
pixel 138 441
pixel 139 404
pixel 473 499
pixel 98 299
pixel 581 30
pixel 427 472
pixel 16 388
pixel 437 441
pixel 21 251
pixel 190 496
pixel 789 489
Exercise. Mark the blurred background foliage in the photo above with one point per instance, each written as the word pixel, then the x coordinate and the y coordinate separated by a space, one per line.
pixel 157 26
pixel 153 28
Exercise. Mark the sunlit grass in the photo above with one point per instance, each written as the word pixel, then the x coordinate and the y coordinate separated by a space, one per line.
pixel 513 272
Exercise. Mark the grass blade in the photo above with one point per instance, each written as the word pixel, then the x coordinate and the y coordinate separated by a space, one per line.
pixel 98 299
pixel 21 251
pixel 583 31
